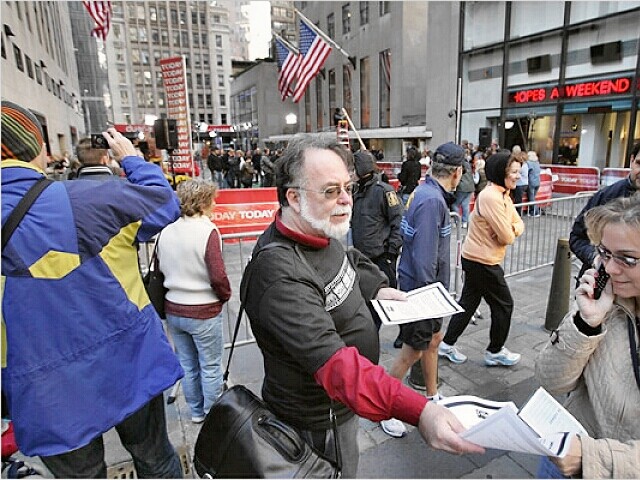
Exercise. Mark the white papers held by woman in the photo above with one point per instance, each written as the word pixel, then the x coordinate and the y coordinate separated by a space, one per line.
pixel 432 301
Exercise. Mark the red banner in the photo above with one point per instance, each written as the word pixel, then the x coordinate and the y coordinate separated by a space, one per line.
pixel 175 85
pixel 245 210
pixel 612 175
pixel 575 179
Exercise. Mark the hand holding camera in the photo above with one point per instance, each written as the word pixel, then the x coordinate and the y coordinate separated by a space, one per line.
pixel 119 144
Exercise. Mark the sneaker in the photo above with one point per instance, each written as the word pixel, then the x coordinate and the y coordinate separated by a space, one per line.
pixel 435 398
pixel 451 352
pixel 393 427
pixel 197 419
pixel 465 224
pixel 503 357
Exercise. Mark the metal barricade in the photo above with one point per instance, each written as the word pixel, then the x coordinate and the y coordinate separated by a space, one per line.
pixel 536 247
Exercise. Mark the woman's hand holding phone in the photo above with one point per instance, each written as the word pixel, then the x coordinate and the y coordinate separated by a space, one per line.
pixel 594 296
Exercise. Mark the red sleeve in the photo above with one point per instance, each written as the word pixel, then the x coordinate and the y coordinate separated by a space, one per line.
pixel 367 389
pixel 215 266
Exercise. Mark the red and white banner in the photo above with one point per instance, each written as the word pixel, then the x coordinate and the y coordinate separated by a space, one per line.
pixel 575 179
pixel 245 210
pixel 612 175
pixel 174 77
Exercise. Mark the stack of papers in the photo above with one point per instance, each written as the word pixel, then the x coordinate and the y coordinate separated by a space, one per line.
pixel 542 426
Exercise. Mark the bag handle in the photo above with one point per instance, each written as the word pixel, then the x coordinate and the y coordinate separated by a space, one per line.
pixel 236 329
pixel 22 208
pixel 634 349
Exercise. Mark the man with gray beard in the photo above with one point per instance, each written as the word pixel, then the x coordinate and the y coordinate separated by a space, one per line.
pixel 306 298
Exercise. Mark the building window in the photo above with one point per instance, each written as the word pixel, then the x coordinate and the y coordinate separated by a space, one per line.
pixel 155 36
pixel 147 78
pixel 346 88
pixel 210 118
pixel 124 97
pixel 365 93
pixel 27 60
pixel 117 32
pixel 142 34
pixel 221 80
pixel 174 17
pixel 223 118
pixel 122 77
pixel 331 25
pixel 364 13
pixel 384 93
pixel 209 100
pixel 218 41
pixel 153 14
pixel 223 101
pixel 162 14
pixel 135 56
pixel 18 54
pixel 201 101
pixel 38 71
pixel 204 39
pixel 384 8
pixel 144 57
pixel 346 18
pixel 4 51
pixel 215 19
pixel 199 80
pixel 219 60
pixel 164 37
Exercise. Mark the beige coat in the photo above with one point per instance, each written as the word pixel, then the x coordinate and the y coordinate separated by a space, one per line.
pixel 597 373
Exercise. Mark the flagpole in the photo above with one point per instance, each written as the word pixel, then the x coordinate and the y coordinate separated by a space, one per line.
pixel 285 42
pixel 326 38
pixel 362 145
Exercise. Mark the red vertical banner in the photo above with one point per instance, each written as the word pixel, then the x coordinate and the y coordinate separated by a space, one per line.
pixel 174 77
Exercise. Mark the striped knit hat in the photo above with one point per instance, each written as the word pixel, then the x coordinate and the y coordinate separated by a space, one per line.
pixel 22 137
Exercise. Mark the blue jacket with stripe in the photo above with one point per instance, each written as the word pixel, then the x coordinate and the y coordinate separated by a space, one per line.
pixel 426 235
pixel 85 348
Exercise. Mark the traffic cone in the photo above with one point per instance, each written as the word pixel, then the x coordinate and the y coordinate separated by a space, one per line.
pixel 558 303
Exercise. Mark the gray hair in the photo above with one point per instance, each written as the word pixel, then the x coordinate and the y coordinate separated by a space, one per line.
pixel 442 170
pixel 289 166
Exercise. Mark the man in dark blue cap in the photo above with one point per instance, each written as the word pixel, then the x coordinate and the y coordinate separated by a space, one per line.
pixel 425 259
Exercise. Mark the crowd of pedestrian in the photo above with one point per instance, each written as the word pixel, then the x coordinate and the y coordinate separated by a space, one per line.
pixel 85 351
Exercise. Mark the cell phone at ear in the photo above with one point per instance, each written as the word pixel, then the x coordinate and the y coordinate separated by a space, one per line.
pixel 601 280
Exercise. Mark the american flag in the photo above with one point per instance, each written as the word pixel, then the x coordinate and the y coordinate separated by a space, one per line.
pixel 100 11
pixel 288 65
pixel 314 51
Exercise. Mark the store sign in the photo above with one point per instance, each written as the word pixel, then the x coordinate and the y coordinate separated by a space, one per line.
pixel 133 128
pixel 245 210
pixel 599 88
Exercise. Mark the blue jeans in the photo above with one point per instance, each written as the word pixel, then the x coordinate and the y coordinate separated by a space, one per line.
pixel 531 196
pixel 462 200
pixel 547 469
pixel 218 178
pixel 143 434
pixel 199 345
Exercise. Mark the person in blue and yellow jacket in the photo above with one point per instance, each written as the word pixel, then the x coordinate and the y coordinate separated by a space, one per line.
pixel 85 349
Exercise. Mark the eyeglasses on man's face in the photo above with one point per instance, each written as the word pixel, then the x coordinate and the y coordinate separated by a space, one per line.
pixel 332 192
pixel 622 260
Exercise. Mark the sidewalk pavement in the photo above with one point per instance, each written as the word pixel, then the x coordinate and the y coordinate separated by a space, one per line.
pixel 408 457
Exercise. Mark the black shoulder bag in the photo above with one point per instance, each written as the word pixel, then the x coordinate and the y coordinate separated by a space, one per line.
pixel 634 348
pixel 22 208
pixel 242 438
pixel 154 282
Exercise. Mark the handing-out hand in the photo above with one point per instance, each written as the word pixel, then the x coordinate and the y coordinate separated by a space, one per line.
pixel 120 145
pixel 571 463
pixel 388 293
pixel 592 311
pixel 440 428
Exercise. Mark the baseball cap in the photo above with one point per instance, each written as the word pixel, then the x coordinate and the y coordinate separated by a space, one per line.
pixel 451 154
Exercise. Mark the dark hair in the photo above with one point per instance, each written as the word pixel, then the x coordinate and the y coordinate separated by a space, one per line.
pixel 636 149
pixel 288 167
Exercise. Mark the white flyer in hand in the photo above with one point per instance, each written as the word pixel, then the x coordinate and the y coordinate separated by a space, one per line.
pixel 541 427
pixel 432 301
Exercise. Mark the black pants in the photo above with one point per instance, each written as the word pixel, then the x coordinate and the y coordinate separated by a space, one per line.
pixel 483 281
pixel 143 434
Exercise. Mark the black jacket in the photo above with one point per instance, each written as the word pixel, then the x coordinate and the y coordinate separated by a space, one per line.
pixel 578 240
pixel 375 224
pixel 214 162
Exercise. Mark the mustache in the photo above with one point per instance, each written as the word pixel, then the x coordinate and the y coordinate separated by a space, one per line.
pixel 341 210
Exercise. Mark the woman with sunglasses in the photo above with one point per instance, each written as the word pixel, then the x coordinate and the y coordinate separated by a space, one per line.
pixel 593 355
